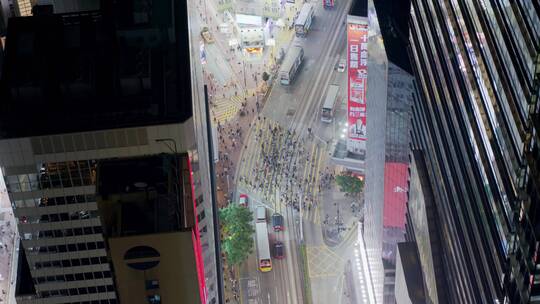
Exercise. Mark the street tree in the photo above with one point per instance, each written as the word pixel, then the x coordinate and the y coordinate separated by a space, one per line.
pixel 349 183
pixel 237 242
pixel 265 76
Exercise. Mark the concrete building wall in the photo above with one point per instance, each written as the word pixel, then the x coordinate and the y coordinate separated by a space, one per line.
pixel 375 160
pixel 67 234
pixel 401 293
pixel 175 272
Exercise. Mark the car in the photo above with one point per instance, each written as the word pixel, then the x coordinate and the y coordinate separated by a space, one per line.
pixel 277 222
pixel 243 200
pixel 341 66
pixel 278 250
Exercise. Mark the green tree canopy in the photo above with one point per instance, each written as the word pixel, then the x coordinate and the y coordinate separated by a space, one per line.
pixel 237 242
pixel 349 183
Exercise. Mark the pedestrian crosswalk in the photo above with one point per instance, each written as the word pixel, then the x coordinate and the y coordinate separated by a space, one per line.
pixel 282 168
pixel 225 109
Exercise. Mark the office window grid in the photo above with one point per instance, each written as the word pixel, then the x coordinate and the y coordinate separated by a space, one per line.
pixel 475 63
pixel 77 291
pixel 71 262
pixel 55 201
pixel 72 277
pixel 62 233
pixel 54 175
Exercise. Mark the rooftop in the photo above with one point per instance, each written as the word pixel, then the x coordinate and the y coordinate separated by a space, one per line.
pixel 139 195
pixel 124 65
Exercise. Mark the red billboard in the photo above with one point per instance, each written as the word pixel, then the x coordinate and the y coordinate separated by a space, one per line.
pixel 357 36
pixel 396 177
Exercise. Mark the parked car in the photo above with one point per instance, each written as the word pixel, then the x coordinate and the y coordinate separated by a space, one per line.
pixel 277 222
pixel 243 200
pixel 341 65
pixel 279 250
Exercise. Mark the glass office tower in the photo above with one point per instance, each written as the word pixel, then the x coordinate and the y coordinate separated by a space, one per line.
pixel 87 88
pixel 476 119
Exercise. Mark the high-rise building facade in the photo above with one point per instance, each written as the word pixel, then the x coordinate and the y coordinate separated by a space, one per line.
pixel 475 119
pixel 80 89
pixel 146 208
pixel 389 97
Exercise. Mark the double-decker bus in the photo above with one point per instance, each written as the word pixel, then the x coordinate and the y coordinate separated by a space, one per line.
pixel 290 65
pixel 329 105
pixel 263 247
pixel 304 20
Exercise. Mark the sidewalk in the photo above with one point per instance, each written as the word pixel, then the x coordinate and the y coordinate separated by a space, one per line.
pixel 235 99
pixel 339 212
pixel 8 230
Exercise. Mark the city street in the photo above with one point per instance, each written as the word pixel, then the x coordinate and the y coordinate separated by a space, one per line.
pixel 274 148
pixel 280 167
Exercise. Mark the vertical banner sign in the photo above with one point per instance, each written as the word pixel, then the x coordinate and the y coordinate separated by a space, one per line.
pixel 357 36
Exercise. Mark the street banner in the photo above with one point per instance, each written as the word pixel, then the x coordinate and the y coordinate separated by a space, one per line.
pixel 357 37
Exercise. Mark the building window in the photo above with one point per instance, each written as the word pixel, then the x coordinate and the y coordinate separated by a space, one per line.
pixel 201 216
pixel 204 229
pixel 198 200
pixel 154 299
pixel 152 284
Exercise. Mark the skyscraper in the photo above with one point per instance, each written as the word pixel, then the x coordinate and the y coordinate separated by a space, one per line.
pixel 83 89
pixel 389 97
pixel 475 118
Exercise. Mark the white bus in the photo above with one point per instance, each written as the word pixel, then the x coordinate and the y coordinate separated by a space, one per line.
pixel 304 20
pixel 330 101
pixel 263 247
pixel 290 65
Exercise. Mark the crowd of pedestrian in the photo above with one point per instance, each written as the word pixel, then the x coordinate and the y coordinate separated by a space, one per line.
pixel 282 161
pixel 326 178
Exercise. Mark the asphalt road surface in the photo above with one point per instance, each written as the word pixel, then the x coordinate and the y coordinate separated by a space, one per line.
pixel 296 107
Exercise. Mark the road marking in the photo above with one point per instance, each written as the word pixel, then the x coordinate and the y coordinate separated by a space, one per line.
pixel 316 200
pixel 339 286
pixel 322 262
